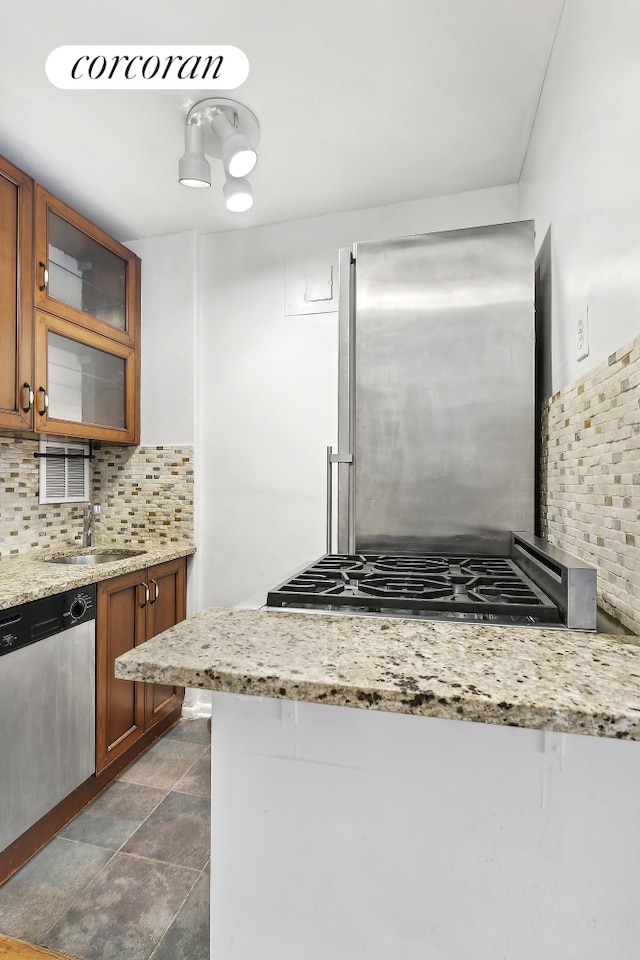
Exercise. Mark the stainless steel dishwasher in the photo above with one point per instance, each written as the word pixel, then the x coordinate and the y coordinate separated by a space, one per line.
pixel 47 705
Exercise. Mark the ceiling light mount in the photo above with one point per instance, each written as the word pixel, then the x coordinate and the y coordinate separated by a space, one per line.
pixel 241 119
pixel 232 135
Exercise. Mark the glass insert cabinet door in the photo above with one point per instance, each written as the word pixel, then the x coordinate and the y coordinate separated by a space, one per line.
pixel 85 275
pixel 82 274
pixel 86 384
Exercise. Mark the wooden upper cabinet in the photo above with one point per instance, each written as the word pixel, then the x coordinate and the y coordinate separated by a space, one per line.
pixel 87 328
pixel 86 385
pixel 16 325
pixel 69 320
pixel 83 275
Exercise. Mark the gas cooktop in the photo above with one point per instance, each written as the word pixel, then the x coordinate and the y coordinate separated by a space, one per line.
pixel 483 588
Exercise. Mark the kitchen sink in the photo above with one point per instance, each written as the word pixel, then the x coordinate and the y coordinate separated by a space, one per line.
pixel 93 557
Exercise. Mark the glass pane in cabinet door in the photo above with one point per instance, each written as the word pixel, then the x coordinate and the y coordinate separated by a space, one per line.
pixel 85 385
pixel 85 274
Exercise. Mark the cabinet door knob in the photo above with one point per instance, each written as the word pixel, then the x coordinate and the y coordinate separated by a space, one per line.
pixel 45 401
pixel 146 593
pixel 45 276
pixel 29 395
pixel 157 590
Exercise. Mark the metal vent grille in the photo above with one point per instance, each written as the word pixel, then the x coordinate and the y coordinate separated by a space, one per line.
pixel 64 473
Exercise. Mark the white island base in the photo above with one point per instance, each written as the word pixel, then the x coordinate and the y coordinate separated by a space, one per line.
pixel 340 834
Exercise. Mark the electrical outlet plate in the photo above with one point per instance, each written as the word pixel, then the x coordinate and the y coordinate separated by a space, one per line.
pixel 582 334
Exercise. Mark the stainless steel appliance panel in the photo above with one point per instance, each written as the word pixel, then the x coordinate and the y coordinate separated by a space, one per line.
pixel 47 725
pixel 441 397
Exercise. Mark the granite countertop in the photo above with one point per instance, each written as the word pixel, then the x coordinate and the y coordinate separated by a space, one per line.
pixel 29 576
pixel 525 677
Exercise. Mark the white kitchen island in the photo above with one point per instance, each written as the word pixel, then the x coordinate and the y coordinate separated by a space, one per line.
pixel 424 824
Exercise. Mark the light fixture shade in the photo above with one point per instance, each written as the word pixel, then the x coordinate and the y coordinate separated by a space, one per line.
pixel 238 196
pixel 238 157
pixel 194 169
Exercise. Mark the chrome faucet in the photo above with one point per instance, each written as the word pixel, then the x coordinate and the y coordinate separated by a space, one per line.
pixel 91 511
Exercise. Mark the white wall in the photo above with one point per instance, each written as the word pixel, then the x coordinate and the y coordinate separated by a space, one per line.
pixel 169 401
pixel 169 297
pixel 581 177
pixel 268 384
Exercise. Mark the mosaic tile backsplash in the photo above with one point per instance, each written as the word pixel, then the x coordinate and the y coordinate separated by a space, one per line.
pixel 590 478
pixel 143 492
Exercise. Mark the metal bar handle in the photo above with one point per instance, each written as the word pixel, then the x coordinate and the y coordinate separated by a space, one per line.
pixel 45 277
pixel 157 590
pixel 329 498
pixel 331 459
pixel 45 401
pixel 146 593
pixel 30 397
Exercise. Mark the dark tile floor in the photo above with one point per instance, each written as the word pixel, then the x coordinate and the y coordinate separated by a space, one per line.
pixel 128 878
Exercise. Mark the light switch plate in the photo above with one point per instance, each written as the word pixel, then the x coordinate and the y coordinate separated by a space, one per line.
pixel 310 288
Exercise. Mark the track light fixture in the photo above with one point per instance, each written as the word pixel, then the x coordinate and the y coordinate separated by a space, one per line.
pixel 233 133
pixel 193 169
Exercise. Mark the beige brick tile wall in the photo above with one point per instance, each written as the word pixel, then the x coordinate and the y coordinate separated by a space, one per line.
pixel 590 477
pixel 24 524
pixel 144 492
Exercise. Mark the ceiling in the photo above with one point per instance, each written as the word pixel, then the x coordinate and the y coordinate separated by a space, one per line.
pixel 361 104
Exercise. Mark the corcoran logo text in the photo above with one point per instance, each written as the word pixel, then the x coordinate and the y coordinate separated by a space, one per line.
pixel 146 67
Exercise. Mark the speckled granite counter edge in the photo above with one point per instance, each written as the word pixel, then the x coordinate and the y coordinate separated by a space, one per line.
pixel 29 576
pixel 523 678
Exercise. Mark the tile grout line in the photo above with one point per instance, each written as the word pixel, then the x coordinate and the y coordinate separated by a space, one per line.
pixel 139 856
pixel 69 900
pixel 201 873
pixel 162 863
pixel 123 779
pixel 174 789
pixel 135 856
pixel 174 918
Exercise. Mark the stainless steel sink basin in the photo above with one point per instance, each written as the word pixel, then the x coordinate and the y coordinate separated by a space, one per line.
pixel 92 557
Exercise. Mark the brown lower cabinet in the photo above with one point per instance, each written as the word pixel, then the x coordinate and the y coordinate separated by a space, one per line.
pixel 131 609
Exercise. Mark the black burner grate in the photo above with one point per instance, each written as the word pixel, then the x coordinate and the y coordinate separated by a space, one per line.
pixel 488 587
